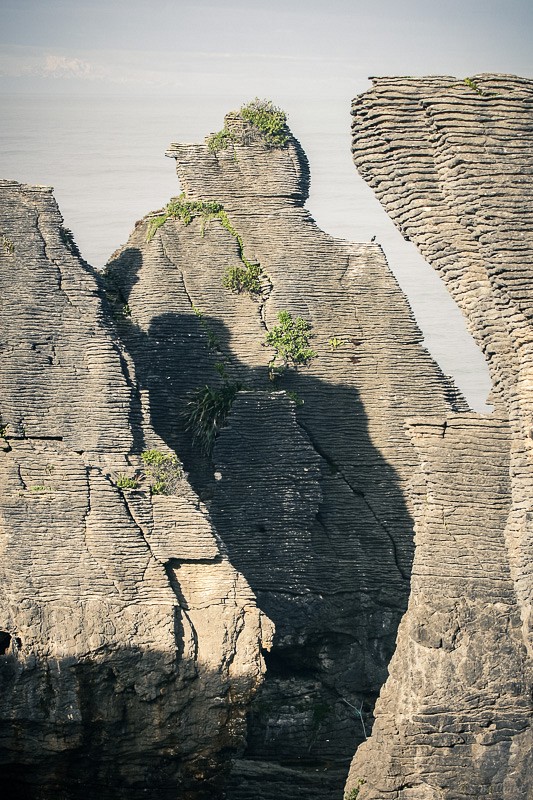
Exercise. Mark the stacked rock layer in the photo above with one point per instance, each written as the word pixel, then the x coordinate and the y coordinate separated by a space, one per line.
pixel 307 483
pixel 451 161
pixel 130 646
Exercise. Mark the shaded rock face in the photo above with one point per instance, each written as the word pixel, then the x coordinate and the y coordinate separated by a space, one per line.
pixel 307 483
pixel 129 645
pixel 451 161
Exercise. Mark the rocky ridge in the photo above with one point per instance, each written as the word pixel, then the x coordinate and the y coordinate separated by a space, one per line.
pixel 138 620
pixel 307 483
pixel 118 606
pixel 451 161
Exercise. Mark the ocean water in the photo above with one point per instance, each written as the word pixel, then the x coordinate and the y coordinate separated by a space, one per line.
pixel 104 156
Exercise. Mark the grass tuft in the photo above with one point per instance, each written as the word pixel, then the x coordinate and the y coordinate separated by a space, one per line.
pixel 207 411
pixel 164 471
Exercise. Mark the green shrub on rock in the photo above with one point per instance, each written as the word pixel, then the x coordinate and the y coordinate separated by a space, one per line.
pixel 243 279
pixel 290 339
pixel 164 470
pixel 270 120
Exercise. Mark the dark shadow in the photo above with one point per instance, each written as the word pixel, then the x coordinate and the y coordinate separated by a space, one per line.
pixel 315 519
pixel 115 288
pixel 132 729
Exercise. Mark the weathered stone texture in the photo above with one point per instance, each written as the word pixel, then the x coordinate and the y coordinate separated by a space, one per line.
pixel 130 646
pixel 453 717
pixel 452 161
pixel 309 499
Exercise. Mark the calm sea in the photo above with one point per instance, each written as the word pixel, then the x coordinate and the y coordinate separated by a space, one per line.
pixel 104 156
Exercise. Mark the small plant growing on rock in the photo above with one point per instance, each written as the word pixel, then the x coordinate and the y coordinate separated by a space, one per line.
pixel 8 245
pixel 207 411
pixel 296 399
pixel 243 279
pixel 290 339
pixel 164 471
pixel 153 226
pixel 270 120
pixel 353 793
pixel 125 482
pixel 473 85
pixel 213 342
pixel 334 343
pixel 184 210
pixel 220 140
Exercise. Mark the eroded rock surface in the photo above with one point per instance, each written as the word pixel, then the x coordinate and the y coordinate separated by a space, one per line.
pixel 129 645
pixel 452 161
pixel 307 483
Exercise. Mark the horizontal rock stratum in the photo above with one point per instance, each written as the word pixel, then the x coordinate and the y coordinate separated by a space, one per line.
pixel 307 482
pixel 213 454
pixel 118 673
pixel 452 162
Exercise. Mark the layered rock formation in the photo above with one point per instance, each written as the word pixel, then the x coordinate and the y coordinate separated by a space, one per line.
pixel 138 607
pixel 451 161
pixel 129 645
pixel 307 482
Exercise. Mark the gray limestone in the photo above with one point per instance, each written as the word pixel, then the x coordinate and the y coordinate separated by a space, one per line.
pixel 309 496
pixel 451 161
pixel 130 646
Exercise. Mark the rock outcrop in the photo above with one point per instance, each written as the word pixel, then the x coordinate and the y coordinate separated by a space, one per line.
pixel 307 483
pixel 451 161
pixel 129 644
pixel 212 456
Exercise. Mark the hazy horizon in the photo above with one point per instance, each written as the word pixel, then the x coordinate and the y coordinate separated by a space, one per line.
pixel 244 48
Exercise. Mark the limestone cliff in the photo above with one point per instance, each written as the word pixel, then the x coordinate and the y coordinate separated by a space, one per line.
pixel 129 644
pixel 307 481
pixel 451 161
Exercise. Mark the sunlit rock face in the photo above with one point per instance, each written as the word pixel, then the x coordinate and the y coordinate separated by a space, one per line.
pixel 307 480
pixel 451 160
pixel 129 645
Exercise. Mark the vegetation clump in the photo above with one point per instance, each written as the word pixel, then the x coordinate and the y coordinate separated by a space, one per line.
pixel 296 399
pixel 207 411
pixel 7 244
pixel 243 279
pixel 290 339
pixel 267 119
pixel 220 140
pixel 270 120
pixel 473 85
pixel 213 342
pixel 184 210
pixel 154 225
pixel 335 342
pixel 353 794
pixel 164 471
pixel 125 482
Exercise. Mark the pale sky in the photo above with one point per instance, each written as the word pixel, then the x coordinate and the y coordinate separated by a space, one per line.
pixel 275 48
